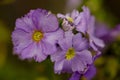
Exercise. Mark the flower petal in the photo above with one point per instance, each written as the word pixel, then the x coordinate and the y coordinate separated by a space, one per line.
pixel 90 72
pixel 81 23
pixel 58 55
pixel 33 51
pixel 75 76
pixel 85 56
pixel 48 48
pixel 61 16
pixel 53 37
pixel 67 66
pixel 74 14
pixel 20 42
pixel 79 43
pixel 98 42
pixel 81 60
pixel 66 42
pixel 77 65
pixel 25 23
pixel 45 21
pixel 58 66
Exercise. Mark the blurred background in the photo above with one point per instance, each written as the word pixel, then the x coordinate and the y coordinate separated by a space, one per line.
pixel 106 12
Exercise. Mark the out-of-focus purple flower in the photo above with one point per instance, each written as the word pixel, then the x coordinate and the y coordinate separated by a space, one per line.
pixel 115 32
pixel 73 54
pixel 105 33
pixel 75 76
pixel 89 74
pixel 36 34
pixel 73 4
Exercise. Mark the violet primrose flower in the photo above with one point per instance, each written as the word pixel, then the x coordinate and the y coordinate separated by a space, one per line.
pixel 89 74
pixel 108 35
pixel 73 54
pixel 83 22
pixel 71 48
pixel 36 34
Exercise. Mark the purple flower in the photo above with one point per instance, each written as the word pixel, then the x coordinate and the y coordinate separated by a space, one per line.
pixel 105 33
pixel 36 34
pixel 72 55
pixel 69 20
pixel 83 22
pixel 115 32
pixel 89 74
pixel 80 21
pixel 88 28
pixel 75 76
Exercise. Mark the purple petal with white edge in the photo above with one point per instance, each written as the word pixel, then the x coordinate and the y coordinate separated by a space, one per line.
pixel 90 72
pixel 61 16
pixel 25 23
pixel 53 37
pixel 33 51
pixel 58 66
pixel 98 42
pixel 93 46
pixel 79 43
pixel 74 14
pixel 45 21
pixel 20 42
pixel 75 76
pixel 85 56
pixel 66 42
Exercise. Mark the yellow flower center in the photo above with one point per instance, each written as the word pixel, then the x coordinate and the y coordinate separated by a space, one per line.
pixel 70 54
pixel 37 36
pixel 70 19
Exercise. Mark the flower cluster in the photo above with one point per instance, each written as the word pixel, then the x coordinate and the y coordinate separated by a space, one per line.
pixel 72 45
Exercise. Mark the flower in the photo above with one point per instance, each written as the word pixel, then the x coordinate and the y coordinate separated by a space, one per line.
pixel 115 32
pixel 107 34
pixel 89 74
pixel 86 25
pixel 72 55
pixel 36 34
pixel 83 23
pixel 69 20
pixel 80 21
pixel 75 76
